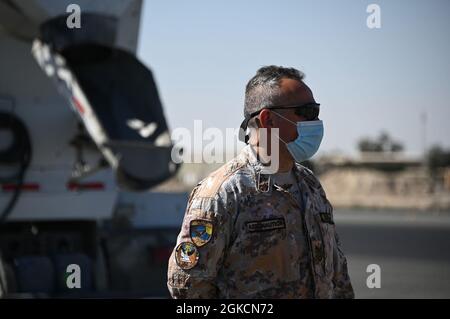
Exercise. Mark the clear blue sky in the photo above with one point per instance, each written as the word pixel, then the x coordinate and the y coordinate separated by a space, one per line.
pixel 367 80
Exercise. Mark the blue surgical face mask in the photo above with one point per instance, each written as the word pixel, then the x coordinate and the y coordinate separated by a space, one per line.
pixel 310 134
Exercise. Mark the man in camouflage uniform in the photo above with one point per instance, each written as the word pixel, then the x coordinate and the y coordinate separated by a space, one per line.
pixel 248 233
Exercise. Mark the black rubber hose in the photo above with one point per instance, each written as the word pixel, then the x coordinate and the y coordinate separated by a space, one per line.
pixel 18 153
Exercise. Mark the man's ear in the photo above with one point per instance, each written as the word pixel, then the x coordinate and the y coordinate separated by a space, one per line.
pixel 265 119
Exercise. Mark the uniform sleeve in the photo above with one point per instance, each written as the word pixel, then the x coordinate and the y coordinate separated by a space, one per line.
pixel 197 277
pixel 342 285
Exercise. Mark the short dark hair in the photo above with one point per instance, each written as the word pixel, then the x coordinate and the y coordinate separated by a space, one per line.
pixel 263 89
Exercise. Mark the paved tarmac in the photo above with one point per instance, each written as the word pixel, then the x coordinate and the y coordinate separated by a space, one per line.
pixel 411 248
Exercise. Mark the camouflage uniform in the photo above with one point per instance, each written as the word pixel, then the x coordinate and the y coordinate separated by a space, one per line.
pixel 254 247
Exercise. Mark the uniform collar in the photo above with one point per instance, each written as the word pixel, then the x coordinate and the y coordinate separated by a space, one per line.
pixel 264 181
pixel 253 160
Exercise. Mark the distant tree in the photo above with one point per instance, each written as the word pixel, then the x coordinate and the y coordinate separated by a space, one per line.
pixel 397 147
pixel 383 143
pixel 368 145
pixel 437 157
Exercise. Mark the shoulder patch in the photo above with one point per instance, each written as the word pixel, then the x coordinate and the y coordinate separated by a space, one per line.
pixel 186 255
pixel 308 176
pixel 200 231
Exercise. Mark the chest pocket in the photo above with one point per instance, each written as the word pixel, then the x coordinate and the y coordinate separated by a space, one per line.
pixel 264 214
pixel 265 225
pixel 264 234
pixel 260 231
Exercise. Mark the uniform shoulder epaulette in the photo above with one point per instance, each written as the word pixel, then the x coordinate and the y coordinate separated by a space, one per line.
pixel 210 186
pixel 309 176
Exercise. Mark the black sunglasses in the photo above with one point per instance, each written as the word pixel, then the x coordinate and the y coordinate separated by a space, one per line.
pixel 310 111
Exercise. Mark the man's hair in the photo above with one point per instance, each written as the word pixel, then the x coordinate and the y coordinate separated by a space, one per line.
pixel 264 88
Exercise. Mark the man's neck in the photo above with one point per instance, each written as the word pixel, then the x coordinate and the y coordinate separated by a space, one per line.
pixel 285 165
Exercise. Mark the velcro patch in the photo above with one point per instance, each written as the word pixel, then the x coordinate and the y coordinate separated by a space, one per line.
pixel 265 225
pixel 200 231
pixel 326 217
pixel 186 255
